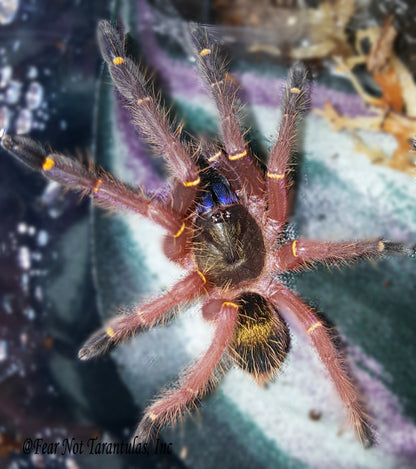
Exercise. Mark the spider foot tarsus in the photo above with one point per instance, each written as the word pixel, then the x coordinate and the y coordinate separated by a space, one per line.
pixel 168 410
pixel 99 343
pixel 114 331
pixel 151 424
pixel 399 248
pixel 25 150
pixel 147 430
pixel 62 169
pixel 365 432
pixel 297 95
pixel 67 171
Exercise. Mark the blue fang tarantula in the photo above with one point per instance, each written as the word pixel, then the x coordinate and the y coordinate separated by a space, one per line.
pixel 226 224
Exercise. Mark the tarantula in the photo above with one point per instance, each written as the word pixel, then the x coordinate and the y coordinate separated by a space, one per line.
pixel 226 224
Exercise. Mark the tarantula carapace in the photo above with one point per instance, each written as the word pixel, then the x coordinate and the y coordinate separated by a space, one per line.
pixel 226 224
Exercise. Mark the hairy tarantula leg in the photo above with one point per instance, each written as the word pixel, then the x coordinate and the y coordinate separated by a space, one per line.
pixel 287 302
pixel 216 157
pixel 146 111
pixel 148 315
pixel 106 190
pixel 301 252
pixel 224 93
pixel 294 106
pixel 196 381
pixel 182 198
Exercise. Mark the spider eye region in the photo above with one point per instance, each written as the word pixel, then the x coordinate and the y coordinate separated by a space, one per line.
pixel 228 245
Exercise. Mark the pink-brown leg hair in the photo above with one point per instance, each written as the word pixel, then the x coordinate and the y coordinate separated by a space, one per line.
pixel 223 91
pixel 153 124
pixel 145 110
pixel 293 108
pixel 196 382
pixel 288 303
pixel 303 252
pixel 107 191
pixel 148 315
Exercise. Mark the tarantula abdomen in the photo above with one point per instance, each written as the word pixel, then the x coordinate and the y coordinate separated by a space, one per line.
pixel 261 340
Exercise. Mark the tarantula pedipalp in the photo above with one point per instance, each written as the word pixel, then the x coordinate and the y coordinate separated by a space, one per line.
pixel 223 220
